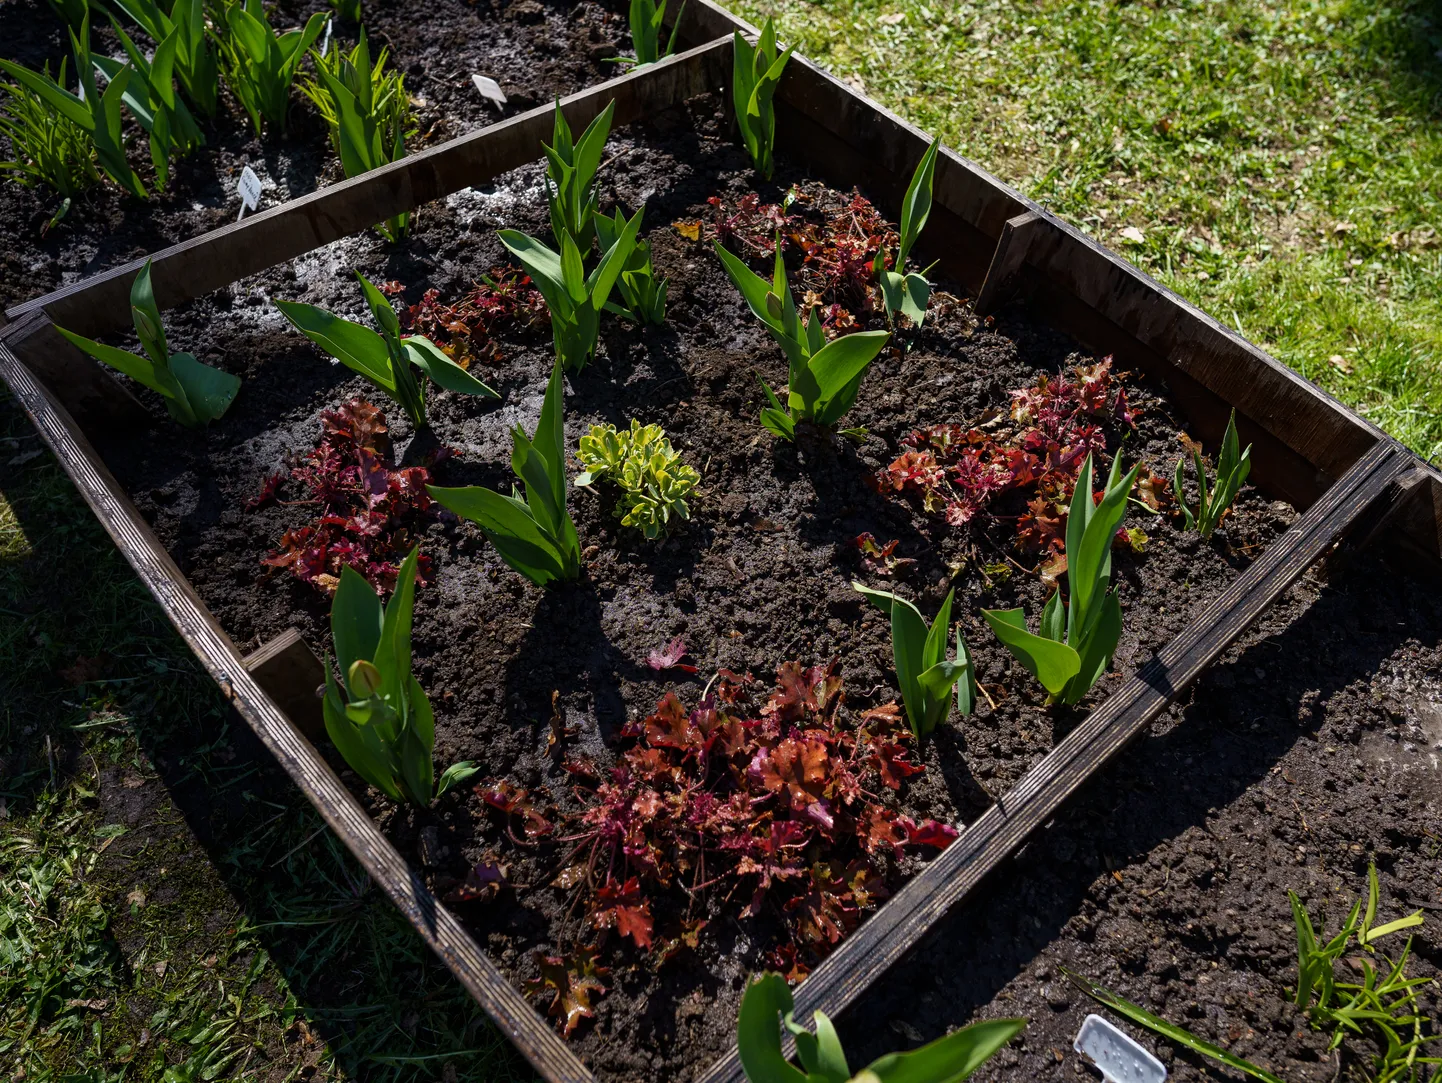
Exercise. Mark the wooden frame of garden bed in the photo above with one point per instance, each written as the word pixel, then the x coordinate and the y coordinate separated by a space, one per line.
pixel 1309 449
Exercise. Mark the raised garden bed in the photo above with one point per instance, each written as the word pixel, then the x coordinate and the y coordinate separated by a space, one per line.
pixel 536 52
pixel 760 574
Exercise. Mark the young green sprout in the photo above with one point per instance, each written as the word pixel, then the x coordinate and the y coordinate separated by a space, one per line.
pixel 261 65
pixel 96 114
pixel 755 74
pixel 195 62
pixel 571 177
pixel 643 293
pixel 902 292
pixel 643 463
pixel 824 376
pixel 646 16
pixel 533 533
pixel 367 111
pixel 385 359
pixel 49 147
pixel 151 98
pixel 922 669
pixel 377 715
pixel 574 298
pixel 767 1005
pixel 194 393
pixel 1076 643
pixel 1232 471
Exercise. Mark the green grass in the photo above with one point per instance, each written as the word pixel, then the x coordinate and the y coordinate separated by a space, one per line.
pixel 1281 162
pixel 171 908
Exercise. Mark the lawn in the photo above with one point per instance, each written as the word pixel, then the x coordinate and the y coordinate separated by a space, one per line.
pixel 167 899
pixel 1279 165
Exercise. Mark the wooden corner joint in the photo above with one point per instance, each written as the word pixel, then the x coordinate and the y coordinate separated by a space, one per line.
pixel 288 671
pixel 1018 236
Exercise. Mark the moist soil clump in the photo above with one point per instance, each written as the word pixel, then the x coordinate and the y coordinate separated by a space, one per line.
pixel 535 50
pixel 758 577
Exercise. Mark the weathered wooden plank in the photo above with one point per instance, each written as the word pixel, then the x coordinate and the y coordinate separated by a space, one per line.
pixel 899 925
pixel 1299 415
pixel 292 676
pixel 1017 236
pixel 94 397
pixel 215 259
pixel 517 1020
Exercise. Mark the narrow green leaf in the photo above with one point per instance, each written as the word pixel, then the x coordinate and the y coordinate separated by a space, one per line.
pixel 1137 1014
pixel 950 1059
pixel 355 619
pixel 358 348
pixel 1051 663
pixel 430 359
pixel 758 1031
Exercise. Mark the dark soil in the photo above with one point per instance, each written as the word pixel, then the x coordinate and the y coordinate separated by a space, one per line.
pixel 761 576
pixel 535 49
pixel 1314 747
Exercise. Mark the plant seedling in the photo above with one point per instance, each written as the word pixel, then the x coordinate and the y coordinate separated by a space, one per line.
pixel 758 1041
pixel 574 298
pixel 571 177
pixel 641 461
pixel 902 292
pixel 1232 471
pixel 378 715
pixel 922 669
pixel 533 533
pixel 824 376
pixel 96 114
pixel 367 111
pixel 261 65
pixel 646 16
pixel 151 97
pixel 194 392
pixel 384 359
pixel 755 74
pixel 50 148
pixel 644 294
pixel 195 61
pixel 1385 999
pixel 1075 647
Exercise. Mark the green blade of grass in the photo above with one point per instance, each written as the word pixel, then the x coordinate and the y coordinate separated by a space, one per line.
pixel 1156 1023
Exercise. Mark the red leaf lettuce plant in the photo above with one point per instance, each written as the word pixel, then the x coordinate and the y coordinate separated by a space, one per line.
pixel 957 471
pixel 370 512
pixel 781 804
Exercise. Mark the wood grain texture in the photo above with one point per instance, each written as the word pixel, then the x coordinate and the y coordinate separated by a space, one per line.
pixel 882 148
pixel 894 929
pixel 215 259
pixel 534 1037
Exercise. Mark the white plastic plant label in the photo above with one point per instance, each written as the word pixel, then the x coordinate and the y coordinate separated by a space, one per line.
pixel 325 41
pixel 489 89
pixel 1119 1056
pixel 249 189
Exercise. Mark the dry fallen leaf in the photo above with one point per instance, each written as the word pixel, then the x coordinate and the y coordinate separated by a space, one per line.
pixel 1340 363
pixel 690 230
pixel 1132 235
pixel 892 19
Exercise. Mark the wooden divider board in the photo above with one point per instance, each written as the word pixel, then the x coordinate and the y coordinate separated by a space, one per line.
pixel 896 928
pixel 825 121
pixel 195 267
pixel 513 1015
